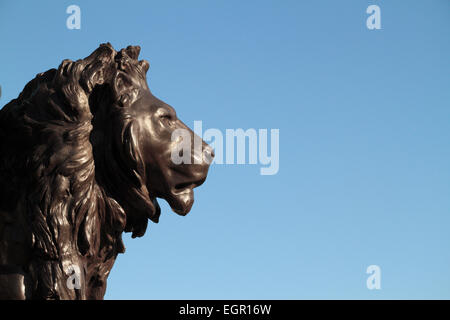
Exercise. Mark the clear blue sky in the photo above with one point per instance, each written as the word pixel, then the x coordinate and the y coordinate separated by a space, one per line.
pixel 364 119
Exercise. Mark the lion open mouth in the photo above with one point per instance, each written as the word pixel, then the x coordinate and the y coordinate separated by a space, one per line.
pixel 181 197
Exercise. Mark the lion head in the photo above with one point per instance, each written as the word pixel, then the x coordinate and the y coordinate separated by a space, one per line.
pixel 85 151
pixel 137 127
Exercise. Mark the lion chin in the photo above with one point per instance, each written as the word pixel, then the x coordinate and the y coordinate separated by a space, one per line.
pixel 85 152
pixel 181 201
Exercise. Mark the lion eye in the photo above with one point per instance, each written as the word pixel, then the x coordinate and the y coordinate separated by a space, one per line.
pixel 166 118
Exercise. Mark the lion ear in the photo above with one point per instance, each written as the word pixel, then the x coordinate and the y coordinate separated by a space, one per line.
pixel 121 86
pixel 144 65
pixel 121 83
pixel 133 51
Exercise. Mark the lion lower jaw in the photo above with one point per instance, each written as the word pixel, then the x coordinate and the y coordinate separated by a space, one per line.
pixel 181 201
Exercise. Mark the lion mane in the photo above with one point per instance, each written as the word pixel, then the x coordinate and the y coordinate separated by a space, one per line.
pixel 71 173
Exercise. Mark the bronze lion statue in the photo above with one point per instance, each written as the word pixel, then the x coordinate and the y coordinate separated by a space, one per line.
pixel 85 151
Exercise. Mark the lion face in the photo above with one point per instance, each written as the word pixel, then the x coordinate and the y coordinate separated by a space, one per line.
pixel 154 125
